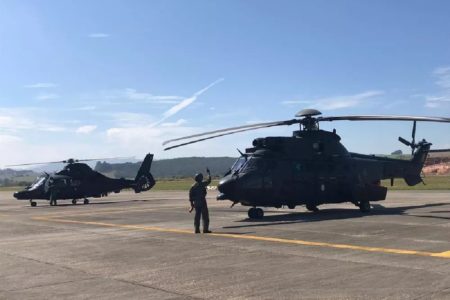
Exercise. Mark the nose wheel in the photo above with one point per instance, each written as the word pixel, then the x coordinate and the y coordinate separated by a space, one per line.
pixel 364 206
pixel 255 213
pixel 312 208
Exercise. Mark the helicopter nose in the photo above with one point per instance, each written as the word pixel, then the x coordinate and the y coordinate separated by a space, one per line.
pixel 18 195
pixel 227 186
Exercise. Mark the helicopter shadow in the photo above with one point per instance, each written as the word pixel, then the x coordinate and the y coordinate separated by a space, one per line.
pixel 336 214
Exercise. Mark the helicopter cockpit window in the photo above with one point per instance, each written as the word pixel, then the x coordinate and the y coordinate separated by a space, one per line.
pixel 238 164
pixel 252 164
pixel 37 183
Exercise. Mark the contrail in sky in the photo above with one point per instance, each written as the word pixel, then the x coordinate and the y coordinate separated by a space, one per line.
pixel 185 103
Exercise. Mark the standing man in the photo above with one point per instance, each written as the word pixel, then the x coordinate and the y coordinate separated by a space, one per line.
pixel 197 197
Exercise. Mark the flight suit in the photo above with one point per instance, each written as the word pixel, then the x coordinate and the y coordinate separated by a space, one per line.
pixel 53 188
pixel 197 197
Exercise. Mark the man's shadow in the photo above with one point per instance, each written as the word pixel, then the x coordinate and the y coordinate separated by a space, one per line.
pixel 338 214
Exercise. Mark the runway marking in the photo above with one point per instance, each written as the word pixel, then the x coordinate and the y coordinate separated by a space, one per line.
pixel 445 254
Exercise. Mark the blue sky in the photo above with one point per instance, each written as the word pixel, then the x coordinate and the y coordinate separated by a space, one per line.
pixel 116 78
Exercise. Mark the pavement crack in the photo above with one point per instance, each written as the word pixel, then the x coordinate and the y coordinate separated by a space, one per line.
pixel 155 288
pixel 47 285
pixel 92 276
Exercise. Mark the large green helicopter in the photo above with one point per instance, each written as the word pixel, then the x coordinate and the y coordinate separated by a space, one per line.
pixel 78 181
pixel 312 167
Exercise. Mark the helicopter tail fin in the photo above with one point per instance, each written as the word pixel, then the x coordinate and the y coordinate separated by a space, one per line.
pixel 144 180
pixel 412 177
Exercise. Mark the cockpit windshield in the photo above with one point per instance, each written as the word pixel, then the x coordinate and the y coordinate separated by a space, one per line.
pixel 238 164
pixel 37 183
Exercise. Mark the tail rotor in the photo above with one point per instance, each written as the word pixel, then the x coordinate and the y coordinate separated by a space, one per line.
pixel 411 144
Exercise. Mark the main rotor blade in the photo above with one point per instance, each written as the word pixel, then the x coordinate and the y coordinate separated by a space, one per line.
pixel 105 158
pixel 65 161
pixel 250 126
pixel 384 118
pixel 31 164
pixel 218 135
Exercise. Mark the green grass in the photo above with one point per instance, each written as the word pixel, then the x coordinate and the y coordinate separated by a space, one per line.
pixel 10 188
pixel 176 184
pixel 161 185
pixel 431 183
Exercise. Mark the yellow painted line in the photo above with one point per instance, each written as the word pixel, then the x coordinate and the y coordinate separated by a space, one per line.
pixel 445 254
pixel 99 212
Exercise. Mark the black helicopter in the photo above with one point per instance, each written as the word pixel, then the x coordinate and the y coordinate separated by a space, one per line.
pixel 312 167
pixel 78 181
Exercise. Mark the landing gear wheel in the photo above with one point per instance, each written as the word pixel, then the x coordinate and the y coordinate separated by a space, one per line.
pixel 312 208
pixel 364 206
pixel 33 203
pixel 259 213
pixel 291 206
pixel 255 213
pixel 86 201
pixel 74 201
pixel 252 213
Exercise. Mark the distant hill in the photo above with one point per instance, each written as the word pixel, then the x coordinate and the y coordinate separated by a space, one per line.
pixel 10 177
pixel 436 164
pixel 170 168
pixel 8 173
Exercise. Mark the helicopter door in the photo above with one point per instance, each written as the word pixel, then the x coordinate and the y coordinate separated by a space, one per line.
pixel 302 181
pixel 326 186
pixel 269 179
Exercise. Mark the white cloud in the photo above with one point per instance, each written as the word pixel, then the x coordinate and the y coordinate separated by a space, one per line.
pixel 435 102
pixel 442 97
pixel 129 119
pixel 174 124
pixel 136 132
pixel 338 102
pixel 14 120
pixel 43 97
pixel 41 85
pixel 129 95
pixel 86 129
pixel 7 139
pixel 132 94
pixel 145 138
pixel 99 35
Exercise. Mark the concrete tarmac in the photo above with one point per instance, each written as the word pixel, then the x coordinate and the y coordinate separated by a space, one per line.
pixel 142 246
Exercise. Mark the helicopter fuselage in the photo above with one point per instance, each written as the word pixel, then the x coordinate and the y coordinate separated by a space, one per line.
pixel 311 168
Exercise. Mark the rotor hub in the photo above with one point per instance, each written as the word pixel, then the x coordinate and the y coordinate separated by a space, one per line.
pixel 309 112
